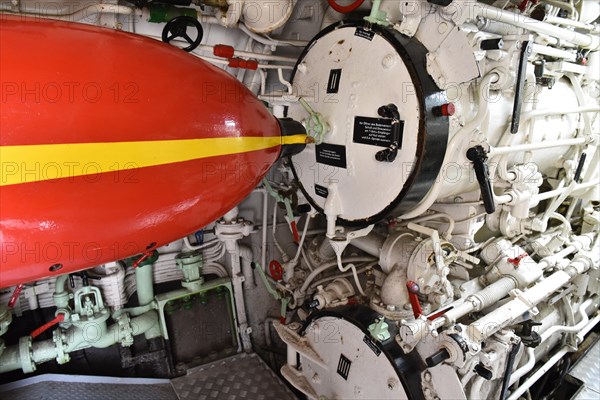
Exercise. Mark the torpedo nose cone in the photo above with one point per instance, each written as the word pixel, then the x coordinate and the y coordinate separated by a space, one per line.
pixel 113 144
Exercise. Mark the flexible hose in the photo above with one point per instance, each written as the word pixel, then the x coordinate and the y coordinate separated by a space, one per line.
pixel 345 9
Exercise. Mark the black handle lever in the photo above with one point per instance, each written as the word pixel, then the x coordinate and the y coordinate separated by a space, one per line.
pixel 526 49
pixel 437 358
pixel 84 278
pixel 478 157
pixel 528 336
pixel 390 154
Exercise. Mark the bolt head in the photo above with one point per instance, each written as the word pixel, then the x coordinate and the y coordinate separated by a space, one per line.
pixel 392 383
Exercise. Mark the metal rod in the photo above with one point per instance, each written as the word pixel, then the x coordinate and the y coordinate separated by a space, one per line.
pixel 552 52
pixel 551 362
pixel 530 24
pixel 497 151
pixel 558 192
pixel 544 112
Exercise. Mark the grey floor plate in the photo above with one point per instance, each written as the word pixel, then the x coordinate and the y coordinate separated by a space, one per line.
pixel 244 376
pixel 587 369
pixel 69 387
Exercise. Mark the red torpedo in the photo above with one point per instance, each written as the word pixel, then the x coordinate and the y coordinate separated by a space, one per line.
pixel 112 144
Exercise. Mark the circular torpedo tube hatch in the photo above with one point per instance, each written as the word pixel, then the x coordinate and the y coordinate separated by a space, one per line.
pixel 353 364
pixel 386 137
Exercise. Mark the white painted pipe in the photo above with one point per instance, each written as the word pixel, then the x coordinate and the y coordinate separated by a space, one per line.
pixel 78 15
pixel 233 249
pixel 503 199
pixel 222 61
pixel 501 317
pixel 497 151
pixel 566 225
pixel 567 251
pixel 553 52
pixel 370 244
pixel 519 373
pixel 445 216
pixel 302 239
pixel 568 22
pixel 477 301
pixel 271 42
pixel 247 258
pixel 265 225
pixel 252 54
pixel 551 362
pixel 575 328
pixel 558 192
pixel 215 60
pixel 563 5
pixel 556 111
pixel 557 202
pixel 538 374
pixel 284 82
pixel 530 24
pixel 327 266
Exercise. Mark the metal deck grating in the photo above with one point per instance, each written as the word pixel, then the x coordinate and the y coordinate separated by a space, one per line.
pixel 587 370
pixel 243 376
pixel 73 387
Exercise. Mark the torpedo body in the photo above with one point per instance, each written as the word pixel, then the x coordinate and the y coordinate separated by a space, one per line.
pixel 112 144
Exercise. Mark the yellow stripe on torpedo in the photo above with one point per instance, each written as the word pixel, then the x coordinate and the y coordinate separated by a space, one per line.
pixel 33 163
pixel 294 139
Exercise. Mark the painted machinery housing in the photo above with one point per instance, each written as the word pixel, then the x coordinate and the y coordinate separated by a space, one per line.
pixel 437 237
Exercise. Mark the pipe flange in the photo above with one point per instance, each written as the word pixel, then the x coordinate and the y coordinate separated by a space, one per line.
pixel 125 330
pixel 25 355
pixel 5 319
pixel 396 314
pixel 62 357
